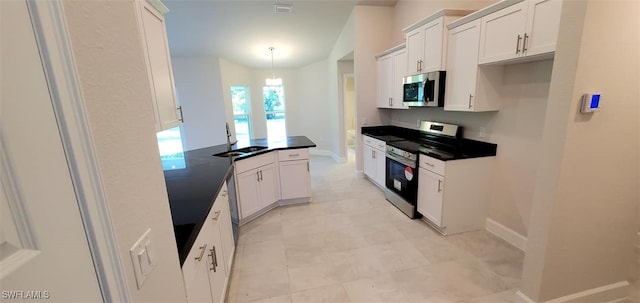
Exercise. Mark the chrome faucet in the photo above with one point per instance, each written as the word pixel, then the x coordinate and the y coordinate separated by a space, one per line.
pixel 228 137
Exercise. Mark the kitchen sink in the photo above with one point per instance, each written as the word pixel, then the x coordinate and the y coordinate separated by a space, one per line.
pixel 240 151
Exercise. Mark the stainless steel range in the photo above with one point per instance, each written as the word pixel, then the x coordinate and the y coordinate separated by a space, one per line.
pixel 439 140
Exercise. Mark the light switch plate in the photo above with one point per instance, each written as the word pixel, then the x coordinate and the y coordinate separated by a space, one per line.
pixel 142 258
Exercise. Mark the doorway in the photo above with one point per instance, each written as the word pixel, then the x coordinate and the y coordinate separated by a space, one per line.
pixel 350 115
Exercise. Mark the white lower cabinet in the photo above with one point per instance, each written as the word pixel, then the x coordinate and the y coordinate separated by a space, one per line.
pixel 207 267
pixel 258 184
pixel 375 160
pixel 430 198
pixel 295 175
pixel 453 196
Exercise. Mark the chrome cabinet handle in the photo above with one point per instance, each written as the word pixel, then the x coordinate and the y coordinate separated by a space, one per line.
pixel 524 43
pixel 258 175
pixel 294 155
pixel 418 65
pixel 261 176
pixel 470 96
pixel 421 64
pixel 181 119
pixel 203 248
pixel 439 183
pixel 214 259
pixel 373 154
pixel 212 267
pixel 216 215
pixel 429 164
pixel 518 44
pixel 308 169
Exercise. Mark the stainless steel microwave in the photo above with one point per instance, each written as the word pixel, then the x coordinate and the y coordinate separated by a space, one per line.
pixel 424 89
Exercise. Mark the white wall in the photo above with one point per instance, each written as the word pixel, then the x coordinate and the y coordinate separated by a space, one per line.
pixel 109 57
pixel 583 221
pixel 198 86
pixel 308 109
pixel 306 106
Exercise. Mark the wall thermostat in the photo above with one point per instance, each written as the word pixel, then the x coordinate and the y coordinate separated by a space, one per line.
pixel 590 103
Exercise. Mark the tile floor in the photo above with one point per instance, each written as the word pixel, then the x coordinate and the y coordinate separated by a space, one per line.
pixel 351 245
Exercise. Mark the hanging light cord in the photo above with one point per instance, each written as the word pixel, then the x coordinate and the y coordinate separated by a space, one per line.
pixel 273 74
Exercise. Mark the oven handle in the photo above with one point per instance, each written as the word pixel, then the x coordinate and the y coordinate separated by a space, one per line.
pixel 406 162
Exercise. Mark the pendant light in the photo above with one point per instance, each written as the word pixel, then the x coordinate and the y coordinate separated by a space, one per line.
pixel 273 81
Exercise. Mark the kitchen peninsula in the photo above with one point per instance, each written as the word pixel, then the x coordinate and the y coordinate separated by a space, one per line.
pixel 193 189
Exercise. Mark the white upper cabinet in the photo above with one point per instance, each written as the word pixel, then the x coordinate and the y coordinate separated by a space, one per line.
pixel 468 86
pixel 427 42
pixel 463 67
pixel 522 30
pixel 156 49
pixel 391 67
pixel 424 48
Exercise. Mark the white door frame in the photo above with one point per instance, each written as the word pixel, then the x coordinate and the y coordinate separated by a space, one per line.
pixel 55 49
pixel 344 111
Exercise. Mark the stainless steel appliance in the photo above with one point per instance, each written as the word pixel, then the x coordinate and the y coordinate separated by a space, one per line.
pixel 436 139
pixel 424 89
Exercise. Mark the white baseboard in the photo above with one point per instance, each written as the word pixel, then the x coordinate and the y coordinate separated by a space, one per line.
pixel 506 234
pixel 608 293
pixel 327 153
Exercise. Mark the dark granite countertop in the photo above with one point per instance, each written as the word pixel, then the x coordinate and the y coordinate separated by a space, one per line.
pixel 467 148
pixel 193 189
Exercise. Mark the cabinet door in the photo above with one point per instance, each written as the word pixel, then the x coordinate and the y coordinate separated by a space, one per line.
pixel 399 70
pixel 215 264
pixel 542 26
pixel 430 194
pixel 381 166
pixel 156 46
pixel 433 38
pixel 226 231
pixel 269 185
pixel 502 35
pixel 385 78
pixel 369 162
pixel 295 179
pixel 195 269
pixel 415 51
pixel 248 195
pixel 462 66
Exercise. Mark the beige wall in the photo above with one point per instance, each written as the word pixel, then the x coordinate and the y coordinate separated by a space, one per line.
pixel 408 12
pixel 516 129
pixel 343 47
pixel 583 221
pixel 373 33
pixel 113 78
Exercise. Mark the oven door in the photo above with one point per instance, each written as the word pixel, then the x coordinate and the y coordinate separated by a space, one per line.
pixel 402 178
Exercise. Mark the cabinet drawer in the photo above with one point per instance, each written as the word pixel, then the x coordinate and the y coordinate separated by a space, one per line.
pixel 432 164
pixel 293 154
pixel 255 162
pixel 375 143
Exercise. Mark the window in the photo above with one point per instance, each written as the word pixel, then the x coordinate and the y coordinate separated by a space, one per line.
pixel 241 113
pixel 274 109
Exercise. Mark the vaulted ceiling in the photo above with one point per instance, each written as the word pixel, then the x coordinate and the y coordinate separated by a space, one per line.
pixel 242 31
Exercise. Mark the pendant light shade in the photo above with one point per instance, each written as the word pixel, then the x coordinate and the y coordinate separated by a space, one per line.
pixel 273 81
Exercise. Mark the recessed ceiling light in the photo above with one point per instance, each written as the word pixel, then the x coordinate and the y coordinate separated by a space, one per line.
pixel 286 9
